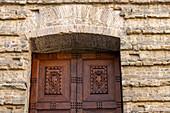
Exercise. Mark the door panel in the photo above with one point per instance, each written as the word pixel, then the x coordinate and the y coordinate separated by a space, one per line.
pixel 50 84
pixel 98 80
pixel 54 82
pixel 75 83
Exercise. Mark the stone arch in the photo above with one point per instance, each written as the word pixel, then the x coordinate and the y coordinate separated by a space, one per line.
pixel 75 19
pixel 73 29
pixel 64 19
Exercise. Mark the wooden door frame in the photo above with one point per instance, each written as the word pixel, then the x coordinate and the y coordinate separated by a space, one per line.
pixel 78 43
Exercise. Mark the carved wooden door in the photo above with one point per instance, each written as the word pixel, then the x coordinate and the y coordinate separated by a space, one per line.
pixel 75 83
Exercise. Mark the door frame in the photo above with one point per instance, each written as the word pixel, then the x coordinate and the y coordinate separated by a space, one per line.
pixel 77 43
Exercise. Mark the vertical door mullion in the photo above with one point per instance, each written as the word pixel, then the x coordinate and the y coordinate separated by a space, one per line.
pixel 79 84
pixel 73 85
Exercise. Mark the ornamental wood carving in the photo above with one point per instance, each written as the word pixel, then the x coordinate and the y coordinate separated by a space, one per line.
pixel 99 82
pixel 53 80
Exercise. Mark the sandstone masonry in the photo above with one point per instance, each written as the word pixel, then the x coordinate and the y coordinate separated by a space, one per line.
pixel 142 25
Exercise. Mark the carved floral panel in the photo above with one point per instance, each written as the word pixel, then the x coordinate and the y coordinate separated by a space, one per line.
pixel 99 80
pixel 53 76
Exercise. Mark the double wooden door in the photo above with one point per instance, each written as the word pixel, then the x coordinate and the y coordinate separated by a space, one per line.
pixel 75 83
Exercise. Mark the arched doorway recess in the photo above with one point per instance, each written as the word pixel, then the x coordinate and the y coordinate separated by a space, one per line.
pixel 75 73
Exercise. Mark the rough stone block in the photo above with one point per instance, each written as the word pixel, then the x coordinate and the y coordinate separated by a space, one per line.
pixel 13 44
pixel 13 77
pixel 146 57
pixel 13 1
pixel 68 1
pixel 152 76
pixel 18 111
pixel 148 26
pixel 143 11
pixel 149 1
pixel 143 107
pixel 13 85
pixel 12 96
pixel 11 28
pixel 14 61
pixel 147 94
pixel 147 42
pixel 12 13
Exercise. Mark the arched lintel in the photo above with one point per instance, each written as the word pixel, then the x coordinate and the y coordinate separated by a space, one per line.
pixel 75 43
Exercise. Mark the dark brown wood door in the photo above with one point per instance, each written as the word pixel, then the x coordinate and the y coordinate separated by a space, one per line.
pixel 75 83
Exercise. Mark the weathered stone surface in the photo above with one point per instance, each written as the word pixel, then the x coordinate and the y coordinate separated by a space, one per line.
pixel 18 111
pixel 147 26
pixel 145 58
pixel 5 110
pixel 11 109
pixel 147 94
pixel 147 42
pixel 151 107
pixel 121 1
pixel 151 76
pixel 12 97
pixel 14 61
pixel 11 28
pixel 151 11
pixel 13 44
pixel 76 18
pixel 149 1
pixel 12 13
pixel 69 1
pixel 155 72
pixel 13 77
pixel 83 1
pixel 13 85
pixel 75 42
pixel 13 1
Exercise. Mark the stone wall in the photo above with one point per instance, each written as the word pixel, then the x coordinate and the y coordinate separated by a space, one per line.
pixel 142 25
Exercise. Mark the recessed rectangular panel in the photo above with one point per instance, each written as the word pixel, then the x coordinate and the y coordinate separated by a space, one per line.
pixel 53 76
pixel 99 82
pixel 54 80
